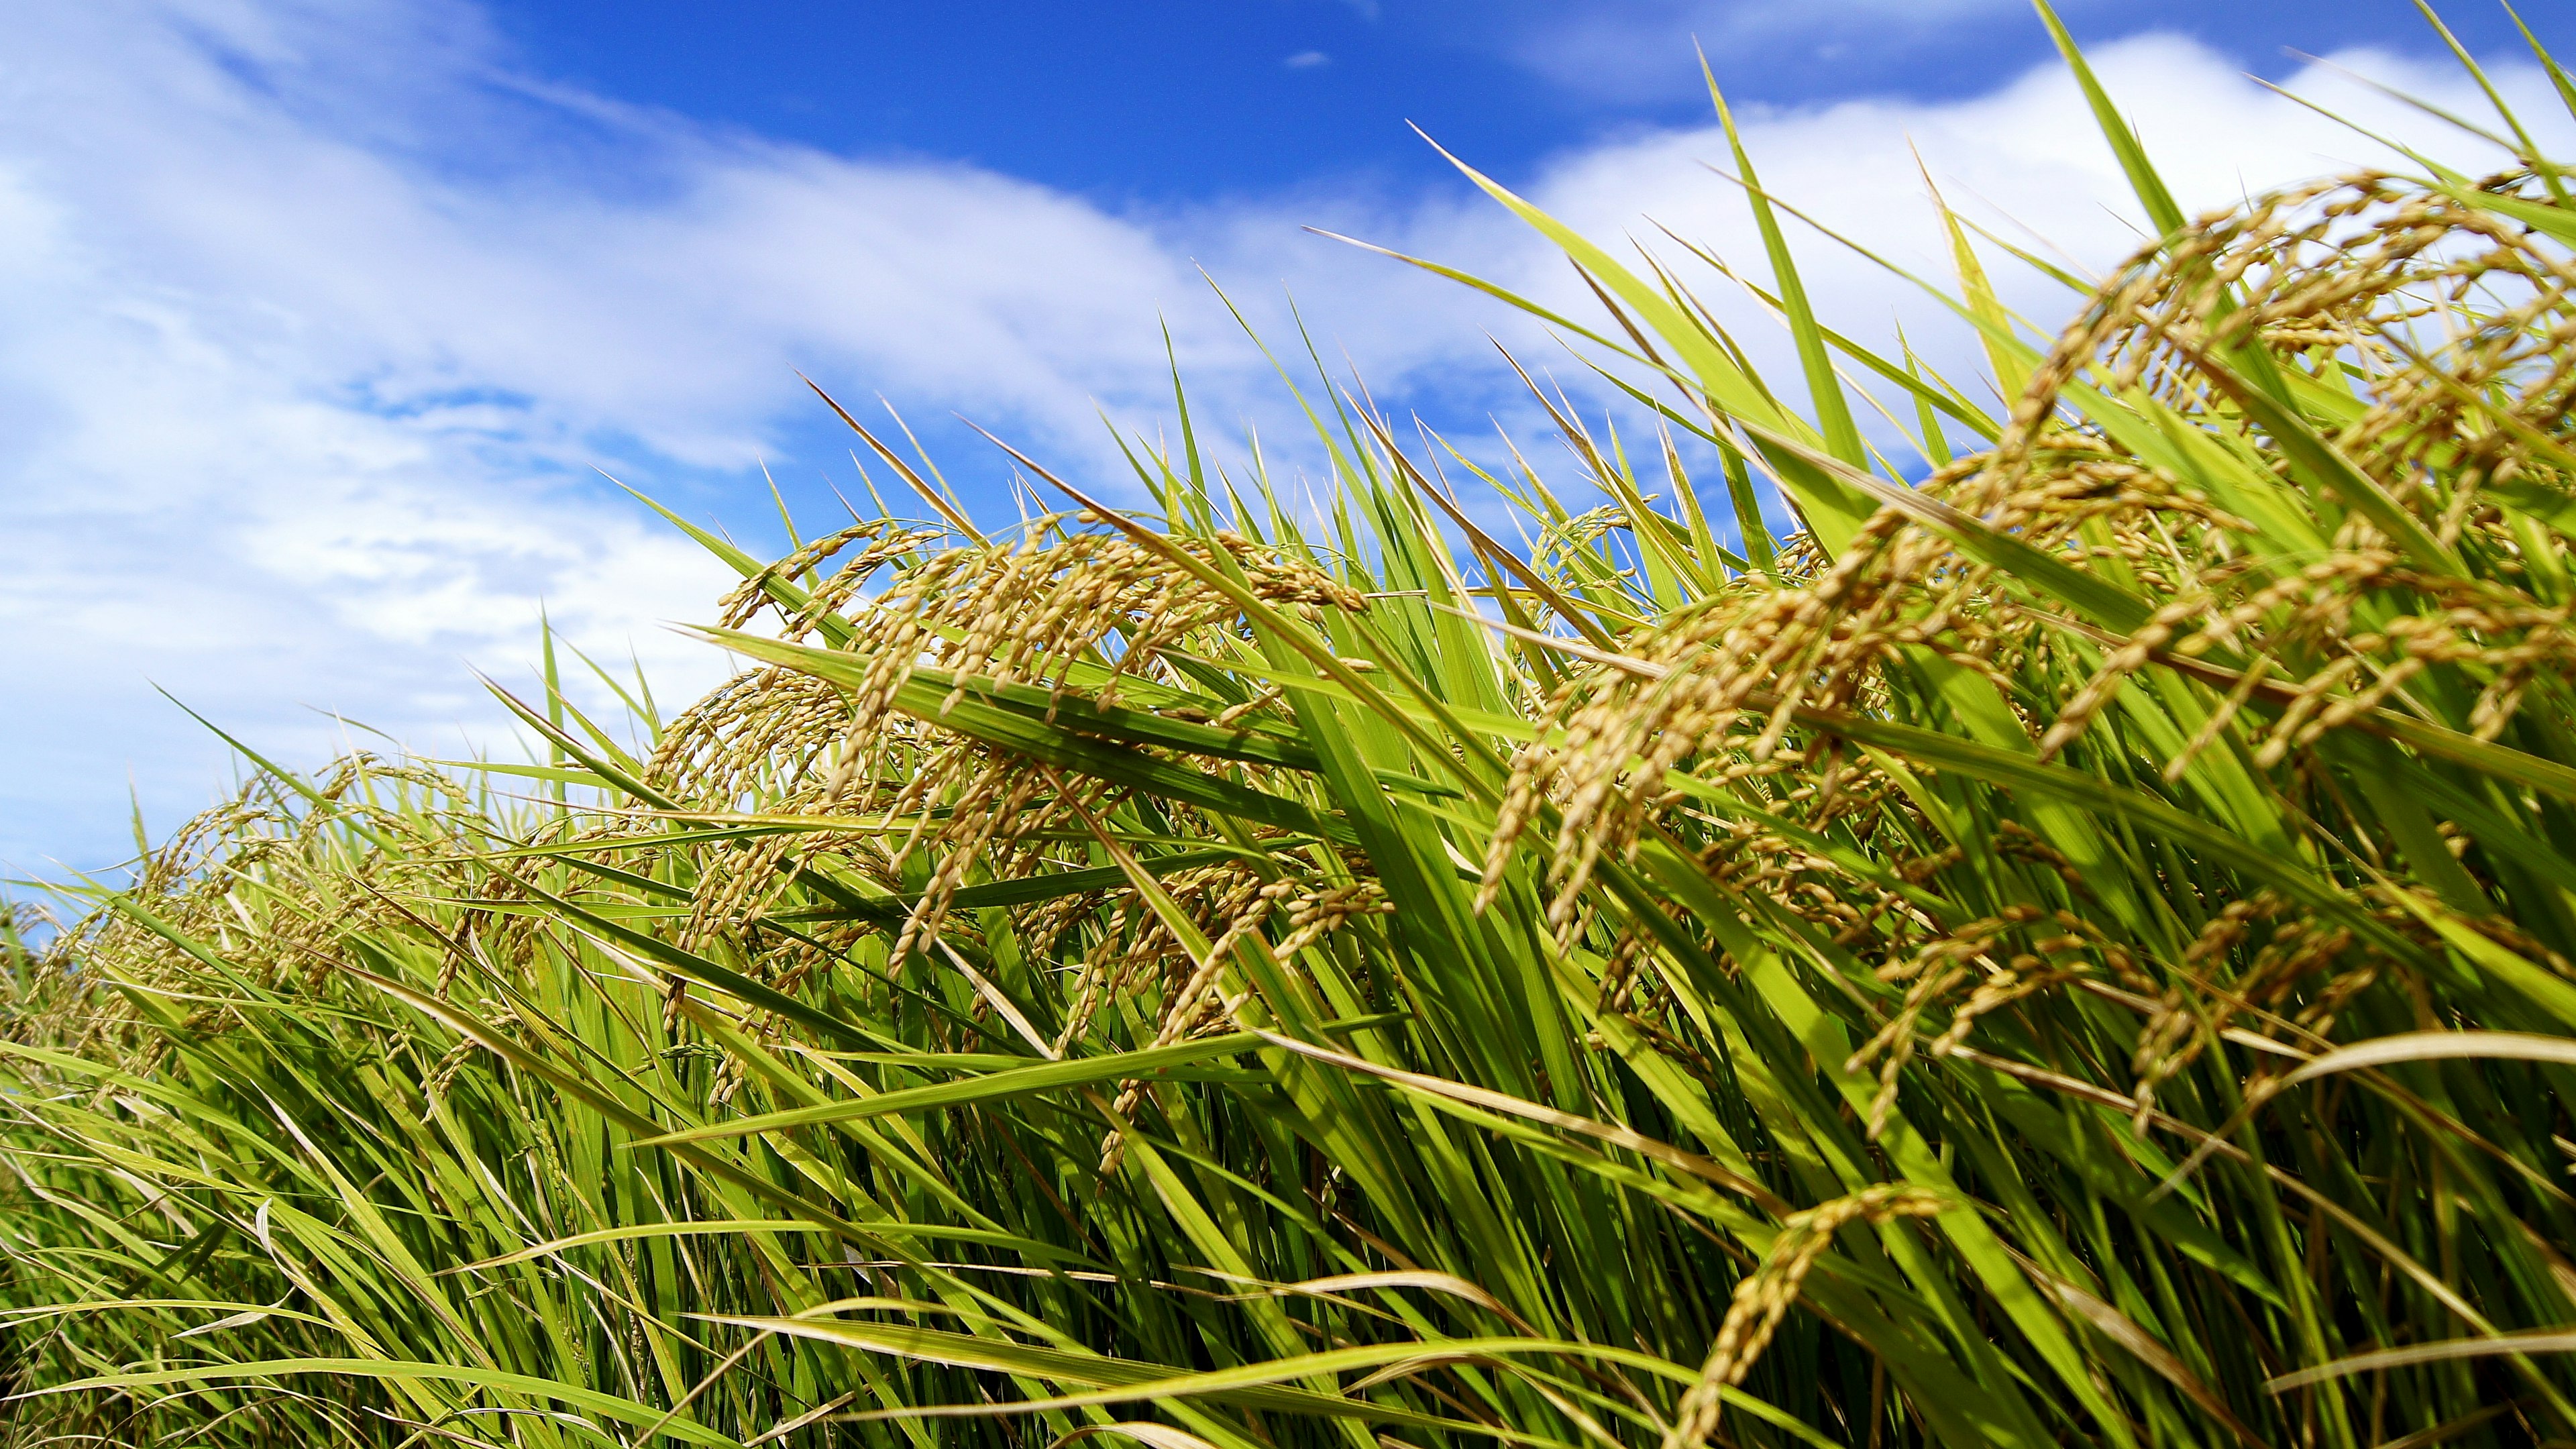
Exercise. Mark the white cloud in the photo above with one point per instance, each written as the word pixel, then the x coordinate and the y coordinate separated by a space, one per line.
pixel 313 317
pixel 2025 159
pixel 301 394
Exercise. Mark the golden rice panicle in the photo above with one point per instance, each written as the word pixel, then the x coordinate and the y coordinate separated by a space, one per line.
pixel 2368 275
pixel 1036 611
pixel 1765 1296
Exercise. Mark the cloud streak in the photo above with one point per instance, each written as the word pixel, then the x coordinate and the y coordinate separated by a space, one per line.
pixel 1644 50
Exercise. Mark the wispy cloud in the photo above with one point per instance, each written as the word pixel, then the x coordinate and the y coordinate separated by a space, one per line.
pixel 1643 49
pixel 1307 60
pixel 314 318
pixel 303 393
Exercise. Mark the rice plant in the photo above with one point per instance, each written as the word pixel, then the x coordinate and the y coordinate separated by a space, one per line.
pixel 2079 947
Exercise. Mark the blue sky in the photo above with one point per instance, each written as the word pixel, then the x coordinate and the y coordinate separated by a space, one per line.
pixel 1177 102
pixel 318 318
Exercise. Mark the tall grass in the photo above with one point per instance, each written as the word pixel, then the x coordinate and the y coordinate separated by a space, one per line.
pixel 2078 950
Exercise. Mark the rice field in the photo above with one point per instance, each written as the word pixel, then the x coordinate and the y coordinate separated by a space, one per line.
pixel 2071 942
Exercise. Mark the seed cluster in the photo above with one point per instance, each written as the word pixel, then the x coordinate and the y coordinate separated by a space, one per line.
pixel 1767 1294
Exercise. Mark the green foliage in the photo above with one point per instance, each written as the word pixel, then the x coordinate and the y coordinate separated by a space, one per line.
pixel 2075 950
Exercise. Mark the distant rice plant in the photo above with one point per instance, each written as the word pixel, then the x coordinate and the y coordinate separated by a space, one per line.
pixel 2080 949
